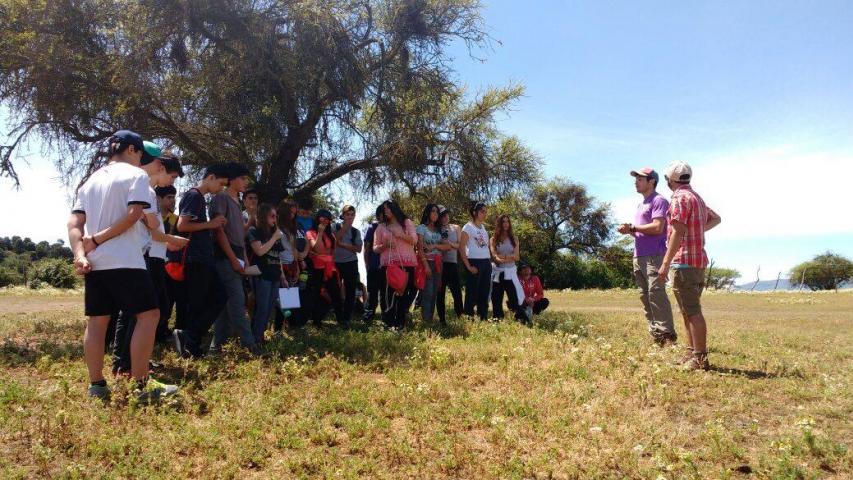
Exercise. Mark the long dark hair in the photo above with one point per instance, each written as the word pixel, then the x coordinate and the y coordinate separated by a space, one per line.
pixel 425 217
pixel 476 207
pixel 286 221
pixel 499 230
pixel 328 231
pixel 262 225
pixel 396 211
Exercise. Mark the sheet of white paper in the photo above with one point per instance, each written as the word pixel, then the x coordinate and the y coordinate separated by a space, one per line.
pixel 288 297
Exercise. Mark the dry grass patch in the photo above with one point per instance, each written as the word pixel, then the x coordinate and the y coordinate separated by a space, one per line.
pixel 583 394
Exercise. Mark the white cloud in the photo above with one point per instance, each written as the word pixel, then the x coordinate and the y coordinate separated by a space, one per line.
pixel 779 206
pixel 39 209
pixel 770 193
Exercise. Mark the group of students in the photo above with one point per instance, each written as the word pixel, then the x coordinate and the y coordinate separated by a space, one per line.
pixel 218 264
pixel 405 260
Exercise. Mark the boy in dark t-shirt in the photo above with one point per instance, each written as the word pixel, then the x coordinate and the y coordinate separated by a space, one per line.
pixel 205 295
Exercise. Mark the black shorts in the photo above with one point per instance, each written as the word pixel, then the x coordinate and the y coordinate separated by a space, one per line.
pixel 128 290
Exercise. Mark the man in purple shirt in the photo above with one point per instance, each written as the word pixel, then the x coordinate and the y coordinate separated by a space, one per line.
pixel 649 232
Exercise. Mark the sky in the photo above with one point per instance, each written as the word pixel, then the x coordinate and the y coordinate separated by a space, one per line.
pixel 755 96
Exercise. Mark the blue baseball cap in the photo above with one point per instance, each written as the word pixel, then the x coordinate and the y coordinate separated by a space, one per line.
pixel 128 137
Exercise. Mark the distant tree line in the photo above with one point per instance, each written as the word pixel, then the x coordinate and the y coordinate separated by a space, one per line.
pixel 24 262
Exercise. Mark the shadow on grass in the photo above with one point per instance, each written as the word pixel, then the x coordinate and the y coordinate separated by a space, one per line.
pixel 753 374
pixel 15 353
pixel 368 344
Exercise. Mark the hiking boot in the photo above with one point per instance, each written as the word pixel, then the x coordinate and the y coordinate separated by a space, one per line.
pixel 699 361
pixel 256 350
pixel 688 355
pixel 154 391
pixel 101 392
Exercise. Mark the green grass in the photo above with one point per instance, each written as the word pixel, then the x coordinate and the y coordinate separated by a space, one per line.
pixel 583 394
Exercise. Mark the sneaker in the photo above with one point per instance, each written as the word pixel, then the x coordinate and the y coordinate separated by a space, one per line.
pixel 154 391
pixel 699 361
pixel 101 392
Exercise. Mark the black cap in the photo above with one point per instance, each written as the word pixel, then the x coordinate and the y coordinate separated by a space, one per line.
pixel 128 137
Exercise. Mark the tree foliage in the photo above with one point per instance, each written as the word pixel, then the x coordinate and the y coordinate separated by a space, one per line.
pixel 53 272
pixel 720 278
pixel 17 256
pixel 303 92
pixel 564 231
pixel 826 271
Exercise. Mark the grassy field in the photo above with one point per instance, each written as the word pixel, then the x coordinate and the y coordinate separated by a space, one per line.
pixel 583 394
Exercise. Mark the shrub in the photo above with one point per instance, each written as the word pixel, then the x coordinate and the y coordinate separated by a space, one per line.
pixel 54 272
pixel 10 276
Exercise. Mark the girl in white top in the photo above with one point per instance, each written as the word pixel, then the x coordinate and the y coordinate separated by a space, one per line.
pixel 474 251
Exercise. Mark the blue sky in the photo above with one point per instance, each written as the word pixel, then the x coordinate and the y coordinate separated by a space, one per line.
pixel 755 95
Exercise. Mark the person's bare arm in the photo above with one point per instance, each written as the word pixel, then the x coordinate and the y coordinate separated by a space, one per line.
pixel 453 245
pixel 261 249
pixel 422 255
pixel 493 250
pixel 186 225
pixel 76 222
pixel 134 214
pixel 656 227
pixel 463 240
pixel 713 220
pixel 153 225
pixel 673 244
pixel 225 246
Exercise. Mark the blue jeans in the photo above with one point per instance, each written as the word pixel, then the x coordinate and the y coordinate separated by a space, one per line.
pixel 428 294
pixel 233 316
pixel 266 294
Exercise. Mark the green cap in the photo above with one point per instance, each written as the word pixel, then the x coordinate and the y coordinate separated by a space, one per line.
pixel 150 152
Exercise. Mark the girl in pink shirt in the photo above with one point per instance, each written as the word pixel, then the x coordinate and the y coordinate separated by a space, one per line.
pixel 395 241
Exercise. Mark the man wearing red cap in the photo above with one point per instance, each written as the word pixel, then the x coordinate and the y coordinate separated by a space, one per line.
pixel 689 219
pixel 649 232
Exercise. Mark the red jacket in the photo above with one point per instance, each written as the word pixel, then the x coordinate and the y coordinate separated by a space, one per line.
pixel 532 288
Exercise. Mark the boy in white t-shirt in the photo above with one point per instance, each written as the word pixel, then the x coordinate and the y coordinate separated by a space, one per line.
pixel 107 242
pixel 162 173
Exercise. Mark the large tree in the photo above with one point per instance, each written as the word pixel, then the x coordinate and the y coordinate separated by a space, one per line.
pixel 304 92
pixel 826 271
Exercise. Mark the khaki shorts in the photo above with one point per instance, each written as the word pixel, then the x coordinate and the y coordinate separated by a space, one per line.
pixel 687 286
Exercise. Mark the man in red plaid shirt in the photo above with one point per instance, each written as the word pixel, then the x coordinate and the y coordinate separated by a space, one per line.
pixel 689 219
